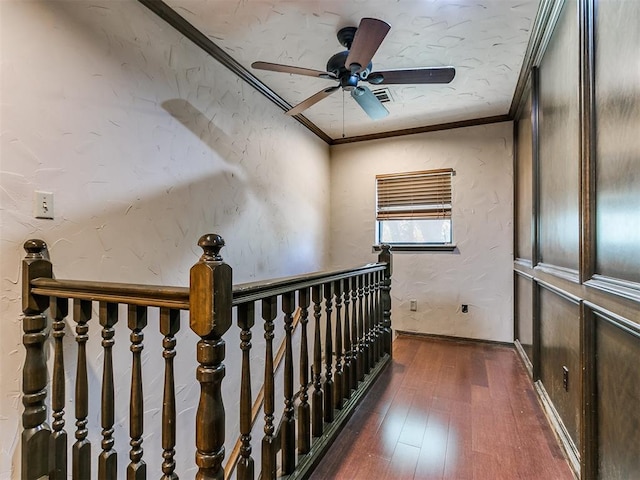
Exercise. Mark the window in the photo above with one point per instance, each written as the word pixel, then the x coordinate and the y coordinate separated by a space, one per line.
pixel 414 208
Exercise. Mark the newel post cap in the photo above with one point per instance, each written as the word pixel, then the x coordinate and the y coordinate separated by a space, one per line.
pixel 210 285
pixel 36 264
pixel 387 257
pixel 211 244
pixel 35 248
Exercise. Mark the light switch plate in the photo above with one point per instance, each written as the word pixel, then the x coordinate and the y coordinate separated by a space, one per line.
pixel 43 205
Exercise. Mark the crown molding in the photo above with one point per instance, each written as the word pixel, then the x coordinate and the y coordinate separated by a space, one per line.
pixel 178 22
pixel 427 128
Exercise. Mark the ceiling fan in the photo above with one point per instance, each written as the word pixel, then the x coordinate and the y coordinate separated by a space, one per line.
pixel 353 65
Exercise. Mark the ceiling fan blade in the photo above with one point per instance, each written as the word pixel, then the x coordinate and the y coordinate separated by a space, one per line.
pixel 413 75
pixel 312 100
pixel 276 67
pixel 368 38
pixel 369 103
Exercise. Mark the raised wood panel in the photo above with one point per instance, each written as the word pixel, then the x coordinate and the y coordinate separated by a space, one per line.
pixel 585 199
pixel 617 83
pixel 524 205
pixel 560 347
pixel 524 318
pixel 559 145
pixel 618 386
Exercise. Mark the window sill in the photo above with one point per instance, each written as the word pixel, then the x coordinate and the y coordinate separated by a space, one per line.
pixel 404 247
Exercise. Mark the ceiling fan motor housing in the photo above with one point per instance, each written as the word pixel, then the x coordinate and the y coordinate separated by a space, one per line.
pixel 348 81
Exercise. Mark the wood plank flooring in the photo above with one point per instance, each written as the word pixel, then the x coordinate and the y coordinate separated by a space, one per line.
pixel 448 409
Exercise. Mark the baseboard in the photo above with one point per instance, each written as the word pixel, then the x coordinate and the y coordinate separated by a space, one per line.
pixel 559 429
pixel 524 357
pixel 451 338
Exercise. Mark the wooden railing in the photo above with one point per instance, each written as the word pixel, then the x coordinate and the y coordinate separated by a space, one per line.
pixel 349 346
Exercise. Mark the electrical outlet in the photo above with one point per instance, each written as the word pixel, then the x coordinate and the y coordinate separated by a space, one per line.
pixel 43 205
pixel 465 308
pixel 565 378
pixel 413 305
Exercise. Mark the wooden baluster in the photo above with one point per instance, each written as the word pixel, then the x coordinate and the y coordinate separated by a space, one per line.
pixel 269 312
pixel 246 321
pixel 346 388
pixel 363 291
pixel 36 433
pixel 82 447
pixel 338 379
pixel 360 333
pixel 288 423
pixel 371 322
pixel 108 458
pixel 328 354
pixel 356 363
pixel 317 397
pixel 373 358
pixel 367 323
pixel 386 257
pixel 210 303
pixel 137 320
pixel 169 326
pixel 59 309
pixel 378 314
pixel 304 414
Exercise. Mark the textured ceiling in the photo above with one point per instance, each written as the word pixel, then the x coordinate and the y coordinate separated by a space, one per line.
pixel 485 40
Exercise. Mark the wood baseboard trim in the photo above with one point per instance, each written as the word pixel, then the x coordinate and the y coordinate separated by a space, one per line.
pixel 452 338
pixel 523 356
pixel 557 425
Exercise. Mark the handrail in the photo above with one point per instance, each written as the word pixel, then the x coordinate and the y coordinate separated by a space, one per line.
pixel 178 297
pixel 130 293
pixel 247 292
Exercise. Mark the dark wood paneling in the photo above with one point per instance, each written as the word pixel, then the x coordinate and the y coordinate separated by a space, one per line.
pixel 541 29
pixel 560 145
pixel 587 161
pixel 560 347
pixel 524 317
pixel 617 83
pixel 618 386
pixel 524 179
pixel 585 305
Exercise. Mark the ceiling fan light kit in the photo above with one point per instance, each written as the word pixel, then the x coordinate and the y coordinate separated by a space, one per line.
pixel 354 65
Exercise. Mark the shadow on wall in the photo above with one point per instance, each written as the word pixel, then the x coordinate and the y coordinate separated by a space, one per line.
pixel 255 187
pixel 202 127
pixel 158 65
pixel 140 235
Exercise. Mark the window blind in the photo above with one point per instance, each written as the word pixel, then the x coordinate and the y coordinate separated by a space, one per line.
pixel 414 195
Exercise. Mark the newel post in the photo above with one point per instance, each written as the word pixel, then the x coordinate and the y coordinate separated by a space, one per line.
pixel 210 302
pixel 387 257
pixel 36 432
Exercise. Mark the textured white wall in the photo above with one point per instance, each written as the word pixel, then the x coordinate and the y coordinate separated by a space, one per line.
pixel 479 273
pixel 146 143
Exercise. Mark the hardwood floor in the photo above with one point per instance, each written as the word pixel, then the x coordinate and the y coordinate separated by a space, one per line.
pixel 448 410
